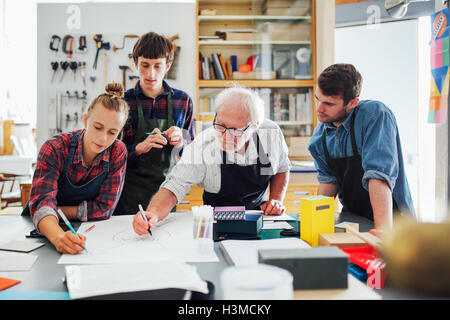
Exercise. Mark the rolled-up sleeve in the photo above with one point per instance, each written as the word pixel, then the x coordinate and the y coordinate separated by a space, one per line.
pixel 45 184
pixel 188 171
pixel 379 150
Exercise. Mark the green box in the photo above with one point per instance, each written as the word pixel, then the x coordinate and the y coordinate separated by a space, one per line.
pixel 312 268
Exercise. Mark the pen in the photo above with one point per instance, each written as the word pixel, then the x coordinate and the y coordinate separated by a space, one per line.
pixel 66 221
pixel 90 228
pixel 153 133
pixel 145 218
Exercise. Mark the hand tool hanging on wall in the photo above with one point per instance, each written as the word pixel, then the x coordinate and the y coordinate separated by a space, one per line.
pixel 83 101
pixel 82 45
pixel 124 76
pixel 82 67
pixel 73 67
pixel 68 39
pixel 58 112
pixel 100 45
pixel 55 66
pixel 115 48
pixel 134 79
pixel 105 68
pixel 64 66
pixel 54 43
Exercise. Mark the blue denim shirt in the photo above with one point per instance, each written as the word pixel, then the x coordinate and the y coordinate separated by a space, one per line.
pixel 378 143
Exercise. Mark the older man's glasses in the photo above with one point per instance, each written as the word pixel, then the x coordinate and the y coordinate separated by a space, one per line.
pixel 233 131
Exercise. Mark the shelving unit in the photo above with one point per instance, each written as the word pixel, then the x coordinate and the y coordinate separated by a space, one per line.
pixel 248 14
pixel 269 40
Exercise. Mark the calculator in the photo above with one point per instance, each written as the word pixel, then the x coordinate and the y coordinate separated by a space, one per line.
pixel 229 213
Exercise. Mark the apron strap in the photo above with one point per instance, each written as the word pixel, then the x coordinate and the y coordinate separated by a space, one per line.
pixel 73 147
pixel 169 108
pixel 352 133
pixel 140 112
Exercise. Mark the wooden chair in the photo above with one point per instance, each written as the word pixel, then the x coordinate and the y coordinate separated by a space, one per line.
pixel 9 195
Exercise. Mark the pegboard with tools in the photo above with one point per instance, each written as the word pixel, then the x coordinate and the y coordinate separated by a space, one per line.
pixel 74 26
pixel 80 66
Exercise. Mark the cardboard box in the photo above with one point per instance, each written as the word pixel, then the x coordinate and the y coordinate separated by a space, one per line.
pixel 312 268
pixel 254 75
pixel 293 11
pixel 239 36
pixel 288 31
pixel 341 240
pixel 298 147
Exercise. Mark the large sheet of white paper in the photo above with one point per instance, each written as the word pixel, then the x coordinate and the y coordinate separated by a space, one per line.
pixel 114 241
pixel 97 280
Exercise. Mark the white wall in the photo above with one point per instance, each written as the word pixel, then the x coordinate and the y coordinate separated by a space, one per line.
pixel 386 56
pixel 112 20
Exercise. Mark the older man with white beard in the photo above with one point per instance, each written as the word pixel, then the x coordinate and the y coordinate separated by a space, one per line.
pixel 234 161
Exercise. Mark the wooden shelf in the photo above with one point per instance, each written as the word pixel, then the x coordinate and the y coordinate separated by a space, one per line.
pixel 256 83
pixel 293 123
pixel 257 42
pixel 250 17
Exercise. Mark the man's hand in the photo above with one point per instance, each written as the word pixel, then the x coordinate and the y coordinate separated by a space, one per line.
pixel 152 141
pixel 273 207
pixel 175 136
pixel 140 226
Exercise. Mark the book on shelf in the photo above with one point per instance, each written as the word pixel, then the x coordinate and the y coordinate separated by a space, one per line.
pixel 234 65
pixel 220 75
pixel 220 31
pixel 209 38
pixel 222 65
pixel 205 69
pixel 211 71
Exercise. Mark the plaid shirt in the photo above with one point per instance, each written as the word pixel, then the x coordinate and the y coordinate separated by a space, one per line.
pixel 50 165
pixel 157 108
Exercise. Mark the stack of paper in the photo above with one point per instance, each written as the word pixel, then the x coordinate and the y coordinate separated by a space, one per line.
pixel 97 280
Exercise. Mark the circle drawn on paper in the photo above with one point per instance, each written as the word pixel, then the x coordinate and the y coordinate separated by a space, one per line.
pixel 130 236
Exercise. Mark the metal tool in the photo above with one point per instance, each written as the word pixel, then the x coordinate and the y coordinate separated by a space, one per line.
pixel 100 45
pixel 115 48
pixel 67 39
pixel 134 79
pixel 124 76
pixel 83 101
pixel 54 43
pixel 82 45
pixel 55 66
pixel 64 65
pixel 82 67
pixel 73 66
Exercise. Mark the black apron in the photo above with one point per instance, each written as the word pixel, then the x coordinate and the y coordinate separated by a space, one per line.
pixel 142 180
pixel 242 185
pixel 349 173
pixel 69 194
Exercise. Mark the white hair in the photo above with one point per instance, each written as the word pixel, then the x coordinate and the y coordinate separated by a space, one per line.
pixel 248 98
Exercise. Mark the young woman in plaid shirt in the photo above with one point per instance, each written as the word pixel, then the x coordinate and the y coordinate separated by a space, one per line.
pixel 81 172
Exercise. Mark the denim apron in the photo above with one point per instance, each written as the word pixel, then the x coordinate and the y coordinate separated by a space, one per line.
pixel 349 173
pixel 69 194
pixel 142 181
pixel 242 185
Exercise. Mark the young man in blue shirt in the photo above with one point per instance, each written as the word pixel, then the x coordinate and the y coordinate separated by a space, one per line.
pixel 357 151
